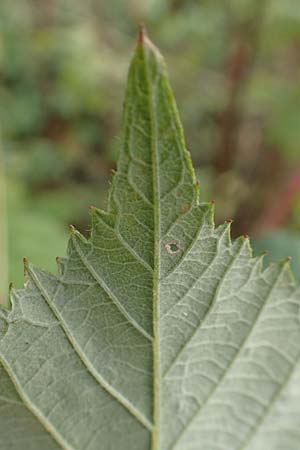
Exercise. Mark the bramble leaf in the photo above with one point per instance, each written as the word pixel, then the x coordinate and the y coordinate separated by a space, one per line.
pixel 159 333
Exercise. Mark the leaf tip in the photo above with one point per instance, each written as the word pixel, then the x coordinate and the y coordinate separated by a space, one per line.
pixel 10 286
pixel 230 221
pixel 142 34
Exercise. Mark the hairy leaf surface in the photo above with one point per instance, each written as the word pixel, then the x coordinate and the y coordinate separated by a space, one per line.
pixel 158 333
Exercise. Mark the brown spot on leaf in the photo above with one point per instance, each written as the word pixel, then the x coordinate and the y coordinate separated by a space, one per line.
pixel 185 207
pixel 174 247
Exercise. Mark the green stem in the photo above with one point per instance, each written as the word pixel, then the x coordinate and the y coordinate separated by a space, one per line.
pixel 3 231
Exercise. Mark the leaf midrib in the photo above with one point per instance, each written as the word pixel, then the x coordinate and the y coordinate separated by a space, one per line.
pixel 156 262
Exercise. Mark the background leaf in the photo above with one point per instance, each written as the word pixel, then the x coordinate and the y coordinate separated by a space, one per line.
pixel 234 67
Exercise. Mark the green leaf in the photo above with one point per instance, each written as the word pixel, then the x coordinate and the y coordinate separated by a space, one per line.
pixel 159 332
pixel 18 427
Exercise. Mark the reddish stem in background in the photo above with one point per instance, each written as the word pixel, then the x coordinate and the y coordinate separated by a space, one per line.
pixel 237 68
pixel 279 209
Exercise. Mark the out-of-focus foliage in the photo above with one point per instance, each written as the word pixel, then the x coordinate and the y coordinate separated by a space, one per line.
pixel 29 229
pixel 235 70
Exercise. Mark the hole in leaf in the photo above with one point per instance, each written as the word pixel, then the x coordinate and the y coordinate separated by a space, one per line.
pixel 173 247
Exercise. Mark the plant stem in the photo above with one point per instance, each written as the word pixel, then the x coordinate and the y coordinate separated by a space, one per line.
pixel 3 231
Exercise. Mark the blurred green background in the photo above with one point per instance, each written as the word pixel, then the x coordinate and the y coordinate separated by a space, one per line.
pixel 235 69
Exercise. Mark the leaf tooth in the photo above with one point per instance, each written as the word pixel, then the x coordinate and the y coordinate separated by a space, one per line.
pixel 242 244
pixel 289 277
pixel 61 263
pixel 96 214
pixel 247 243
pixel 71 229
pixel 197 189
pixel 223 234
pixel 243 241
pixel 25 265
pixel 77 235
pixel 25 261
pixel 259 261
pixel 284 268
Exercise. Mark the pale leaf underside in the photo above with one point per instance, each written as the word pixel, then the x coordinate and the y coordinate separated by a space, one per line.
pixel 159 332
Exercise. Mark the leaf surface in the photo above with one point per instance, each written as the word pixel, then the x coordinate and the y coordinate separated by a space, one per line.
pixel 158 333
